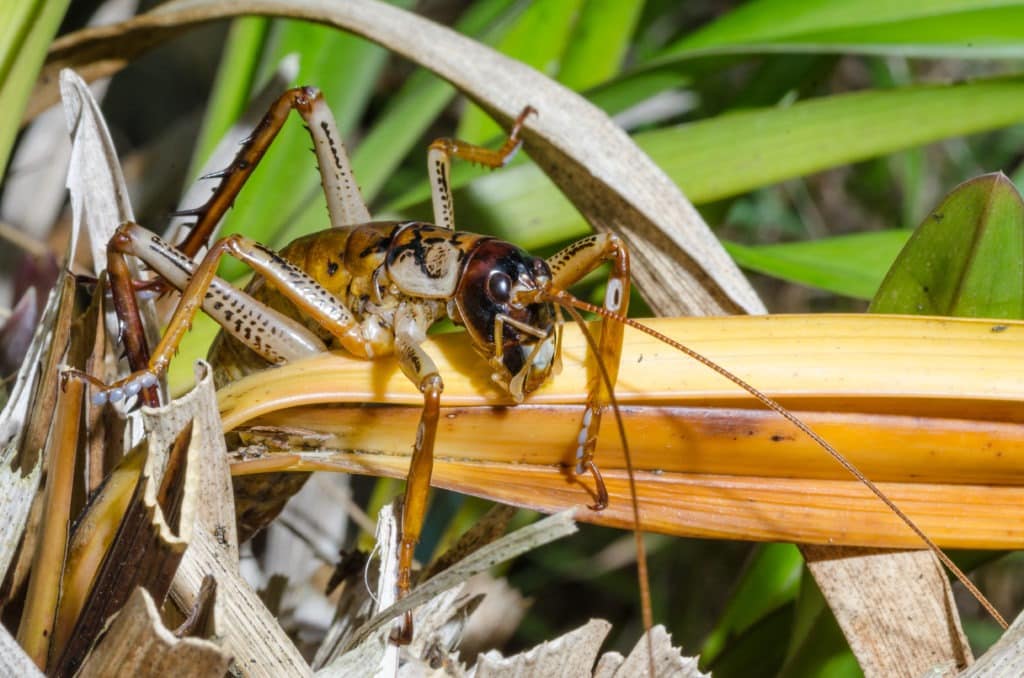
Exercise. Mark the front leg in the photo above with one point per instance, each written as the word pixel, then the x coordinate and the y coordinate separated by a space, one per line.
pixel 567 267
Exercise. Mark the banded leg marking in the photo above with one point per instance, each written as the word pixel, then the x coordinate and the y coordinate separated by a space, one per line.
pixel 345 204
pixel 439 157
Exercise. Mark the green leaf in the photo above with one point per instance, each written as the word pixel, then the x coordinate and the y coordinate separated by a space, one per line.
pixel 966 258
pixel 736 152
pixel 25 33
pixel 233 86
pixel 345 68
pixel 406 117
pixel 599 42
pixel 962 28
pixel 852 265
pixel 771 580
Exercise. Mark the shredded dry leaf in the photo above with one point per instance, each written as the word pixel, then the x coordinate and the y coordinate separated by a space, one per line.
pixel 136 643
pixel 248 631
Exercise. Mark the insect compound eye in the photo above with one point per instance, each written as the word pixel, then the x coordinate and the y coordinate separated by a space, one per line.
pixel 499 286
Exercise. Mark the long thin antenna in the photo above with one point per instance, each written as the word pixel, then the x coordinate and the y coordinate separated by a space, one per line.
pixel 565 298
pixel 641 549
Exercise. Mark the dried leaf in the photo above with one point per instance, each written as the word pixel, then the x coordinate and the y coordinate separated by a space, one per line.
pixel 35 629
pixel 900 621
pixel 733 472
pixel 515 544
pixel 668 660
pixel 496 618
pixel 13 660
pixel 99 198
pixel 145 553
pixel 91 540
pixel 26 419
pixel 490 526
pixel 435 603
pixel 573 654
pixel 679 264
pixel 1005 658
pixel 136 643
pixel 964 260
pixel 249 632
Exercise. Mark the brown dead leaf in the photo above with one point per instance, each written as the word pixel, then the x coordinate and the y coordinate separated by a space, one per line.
pixel 249 631
pixel 136 643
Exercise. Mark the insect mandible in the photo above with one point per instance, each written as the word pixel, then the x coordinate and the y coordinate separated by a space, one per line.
pixel 374 289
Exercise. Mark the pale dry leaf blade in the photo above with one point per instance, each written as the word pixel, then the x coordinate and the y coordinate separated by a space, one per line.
pixel 20 472
pixel 679 264
pixel 227 148
pixel 438 622
pixel 249 632
pixel 902 618
pixel 13 660
pixel 136 643
pixel 668 660
pixel 99 197
pixel 572 654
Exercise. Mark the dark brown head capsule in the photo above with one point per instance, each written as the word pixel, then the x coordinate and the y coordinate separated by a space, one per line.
pixel 496 296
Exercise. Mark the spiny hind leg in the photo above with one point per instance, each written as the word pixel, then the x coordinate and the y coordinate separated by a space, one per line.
pixel 567 267
pixel 345 205
pixel 439 158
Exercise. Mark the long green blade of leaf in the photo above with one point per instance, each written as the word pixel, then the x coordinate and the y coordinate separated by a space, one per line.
pixel 599 42
pixel 235 80
pixel 964 28
pixel 345 68
pixel 852 265
pixel 405 119
pixel 25 34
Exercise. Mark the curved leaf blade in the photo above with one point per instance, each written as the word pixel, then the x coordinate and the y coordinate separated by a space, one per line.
pixel 964 28
pixel 966 258
pixel 851 265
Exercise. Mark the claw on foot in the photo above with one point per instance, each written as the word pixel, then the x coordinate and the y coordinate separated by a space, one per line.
pixel 119 391
pixel 599 486
pixel 402 635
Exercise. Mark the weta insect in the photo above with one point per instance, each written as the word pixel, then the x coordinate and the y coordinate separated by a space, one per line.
pixel 374 288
